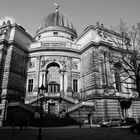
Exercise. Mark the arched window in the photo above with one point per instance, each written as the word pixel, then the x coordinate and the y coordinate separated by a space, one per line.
pixel 53 78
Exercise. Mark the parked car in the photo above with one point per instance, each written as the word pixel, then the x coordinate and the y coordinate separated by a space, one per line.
pixel 111 122
pixel 135 128
pixel 115 122
pixel 105 123
pixel 128 121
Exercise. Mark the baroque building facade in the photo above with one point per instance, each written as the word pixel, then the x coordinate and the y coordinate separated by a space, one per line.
pixel 75 71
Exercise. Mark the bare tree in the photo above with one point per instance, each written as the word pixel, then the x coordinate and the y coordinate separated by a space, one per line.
pixel 127 63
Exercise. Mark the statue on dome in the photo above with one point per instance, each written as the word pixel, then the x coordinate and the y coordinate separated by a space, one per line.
pixel 56 6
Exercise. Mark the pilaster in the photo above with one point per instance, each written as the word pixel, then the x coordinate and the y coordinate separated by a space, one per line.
pixel 69 76
pixel 37 74
pixel 2 60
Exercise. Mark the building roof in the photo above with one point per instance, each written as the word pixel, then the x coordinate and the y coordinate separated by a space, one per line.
pixel 55 20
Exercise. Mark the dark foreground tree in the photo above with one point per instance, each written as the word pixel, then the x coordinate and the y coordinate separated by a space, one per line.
pixel 127 62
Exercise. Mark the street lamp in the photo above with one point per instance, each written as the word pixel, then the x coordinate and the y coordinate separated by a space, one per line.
pixel 41 99
pixel 79 110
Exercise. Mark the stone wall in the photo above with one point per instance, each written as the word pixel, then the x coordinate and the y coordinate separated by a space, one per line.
pixel 90 71
pixel 135 109
pixel 14 72
pixel 104 109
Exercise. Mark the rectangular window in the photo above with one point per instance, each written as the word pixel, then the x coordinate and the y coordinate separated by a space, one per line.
pixel 75 85
pixel 117 82
pixel 55 33
pixel 30 85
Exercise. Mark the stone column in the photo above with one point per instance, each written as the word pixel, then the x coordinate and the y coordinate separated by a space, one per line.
pixel 1 56
pixel 43 82
pixel 105 69
pixel 5 60
pixel 1 67
pixel 62 73
pixel 43 78
pixel 46 80
pixel 37 74
pixel 104 72
pixel 3 96
pixel 63 82
pixel 69 77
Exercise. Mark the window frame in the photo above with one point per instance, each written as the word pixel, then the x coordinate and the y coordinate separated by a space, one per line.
pixel 30 85
pixel 75 85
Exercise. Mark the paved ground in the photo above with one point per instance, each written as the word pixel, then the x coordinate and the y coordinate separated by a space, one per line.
pixel 69 133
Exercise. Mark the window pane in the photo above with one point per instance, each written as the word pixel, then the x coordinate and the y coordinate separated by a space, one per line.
pixel 30 85
pixel 54 74
pixel 117 81
pixel 75 85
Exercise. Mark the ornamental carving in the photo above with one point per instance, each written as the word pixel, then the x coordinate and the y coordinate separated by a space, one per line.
pixel 103 49
pixel 4 31
pixel 63 62
pixel 46 59
pixel 43 63
pixel 96 56
pixel 74 65
pixel 31 63
pixel 104 35
pixel 54 44
pixel 101 33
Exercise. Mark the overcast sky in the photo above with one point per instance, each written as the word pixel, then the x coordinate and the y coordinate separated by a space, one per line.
pixel 82 13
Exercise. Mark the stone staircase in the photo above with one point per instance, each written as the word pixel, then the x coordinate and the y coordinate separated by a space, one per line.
pixel 31 99
pixel 70 99
pixel 76 104
pixel 80 104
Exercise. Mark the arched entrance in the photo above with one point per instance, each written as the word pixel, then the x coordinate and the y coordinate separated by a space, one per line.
pixel 53 82
pixel 53 78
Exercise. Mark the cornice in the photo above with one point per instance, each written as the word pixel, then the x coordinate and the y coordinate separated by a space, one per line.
pixel 15 43
pixel 97 44
pixel 3 42
pixel 84 32
pixel 19 27
pixel 54 49
pixel 102 28
pixel 56 28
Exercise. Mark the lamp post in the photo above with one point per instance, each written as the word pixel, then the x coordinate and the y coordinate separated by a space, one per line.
pixel 41 95
pixel 79 111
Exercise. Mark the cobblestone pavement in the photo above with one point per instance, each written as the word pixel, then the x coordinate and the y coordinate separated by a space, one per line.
pixel 68 133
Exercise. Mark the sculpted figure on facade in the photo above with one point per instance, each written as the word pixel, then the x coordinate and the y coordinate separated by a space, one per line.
pixel 5 29
pixel 63 62
pixel 43 63
pixel 75 65
pixel 31 63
